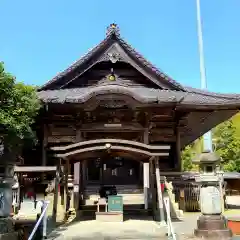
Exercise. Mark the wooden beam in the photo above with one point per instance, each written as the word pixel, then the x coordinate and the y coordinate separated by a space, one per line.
pixel 66 130
pixel 126 72
pixel 155 137
pixel 121 126
pixel 163 131
pixel 35 169
pixel 103 147
pixel 59 139
pixel 111 141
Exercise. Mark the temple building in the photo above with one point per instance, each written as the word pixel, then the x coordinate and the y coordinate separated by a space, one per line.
pixel 110 112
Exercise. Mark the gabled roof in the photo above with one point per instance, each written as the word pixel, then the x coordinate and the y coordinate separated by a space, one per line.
pixel 113 37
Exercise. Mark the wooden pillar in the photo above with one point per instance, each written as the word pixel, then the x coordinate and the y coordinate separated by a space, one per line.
pixel 146 184
pixel 140 173
pixel 159 191
pixel 44 148
pixel 83 180
pixel 178 162
pixel 77 183
pixel 146 172
pixel 79 136
pixel 62 185
pixel 152 185
pixel 66 173
pixel 79 174
pixel 154 190
pixel 55 200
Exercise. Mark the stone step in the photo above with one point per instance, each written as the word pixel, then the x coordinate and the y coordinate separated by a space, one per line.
pixel 127 198
pixel 120 189
pixel 27 209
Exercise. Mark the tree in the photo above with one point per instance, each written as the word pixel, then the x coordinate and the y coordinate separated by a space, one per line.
pixel 227 145
pixel 188 153
pixel 19 106
pixel 187 156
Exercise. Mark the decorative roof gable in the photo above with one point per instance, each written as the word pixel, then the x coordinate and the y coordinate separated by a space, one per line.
pixel 113 48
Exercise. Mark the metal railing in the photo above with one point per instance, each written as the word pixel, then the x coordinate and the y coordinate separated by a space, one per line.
pixel 43 219
pixel 171 234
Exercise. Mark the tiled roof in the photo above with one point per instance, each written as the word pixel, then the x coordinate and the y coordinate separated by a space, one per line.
pixel 197 122
pixel 142 94
pixel 115 34
pixel 212 94
pixel 76 64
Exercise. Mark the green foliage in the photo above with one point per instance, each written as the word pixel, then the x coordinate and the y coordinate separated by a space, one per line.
pixel 189 153
pixel 187 156
pixel 19 107
pixel 226 139
pixel 227 144
pixel 236 123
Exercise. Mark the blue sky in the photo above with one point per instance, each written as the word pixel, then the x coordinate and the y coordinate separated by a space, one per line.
pixel 40 38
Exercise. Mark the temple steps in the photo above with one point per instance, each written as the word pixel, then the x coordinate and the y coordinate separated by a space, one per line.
pixel 135 211
pixel 127 198
pixel 121 189
pixel 132 194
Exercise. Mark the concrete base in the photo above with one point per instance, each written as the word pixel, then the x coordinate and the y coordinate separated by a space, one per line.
pixel 109 216
pixel 212 226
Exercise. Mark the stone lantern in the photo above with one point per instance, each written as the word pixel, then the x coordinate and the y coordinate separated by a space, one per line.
pixel 211 223
pixel 6 181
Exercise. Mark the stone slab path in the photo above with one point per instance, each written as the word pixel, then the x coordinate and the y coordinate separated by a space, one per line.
pixel 131 229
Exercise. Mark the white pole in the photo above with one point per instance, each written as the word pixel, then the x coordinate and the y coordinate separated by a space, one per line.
pixel 159 192
pixel 207 137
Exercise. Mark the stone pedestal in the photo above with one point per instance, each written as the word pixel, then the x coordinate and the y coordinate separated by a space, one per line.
pixel 7 231
pixel 212 226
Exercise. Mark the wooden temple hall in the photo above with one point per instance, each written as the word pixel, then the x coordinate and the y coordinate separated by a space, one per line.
pixel 113 119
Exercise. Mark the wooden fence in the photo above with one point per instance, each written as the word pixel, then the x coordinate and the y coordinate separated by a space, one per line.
pixel 187 194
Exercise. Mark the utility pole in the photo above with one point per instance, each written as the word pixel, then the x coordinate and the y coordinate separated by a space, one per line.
pixel 207 137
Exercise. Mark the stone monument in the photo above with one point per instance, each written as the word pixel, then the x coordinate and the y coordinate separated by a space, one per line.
pixel 211 224
pixel 6 181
